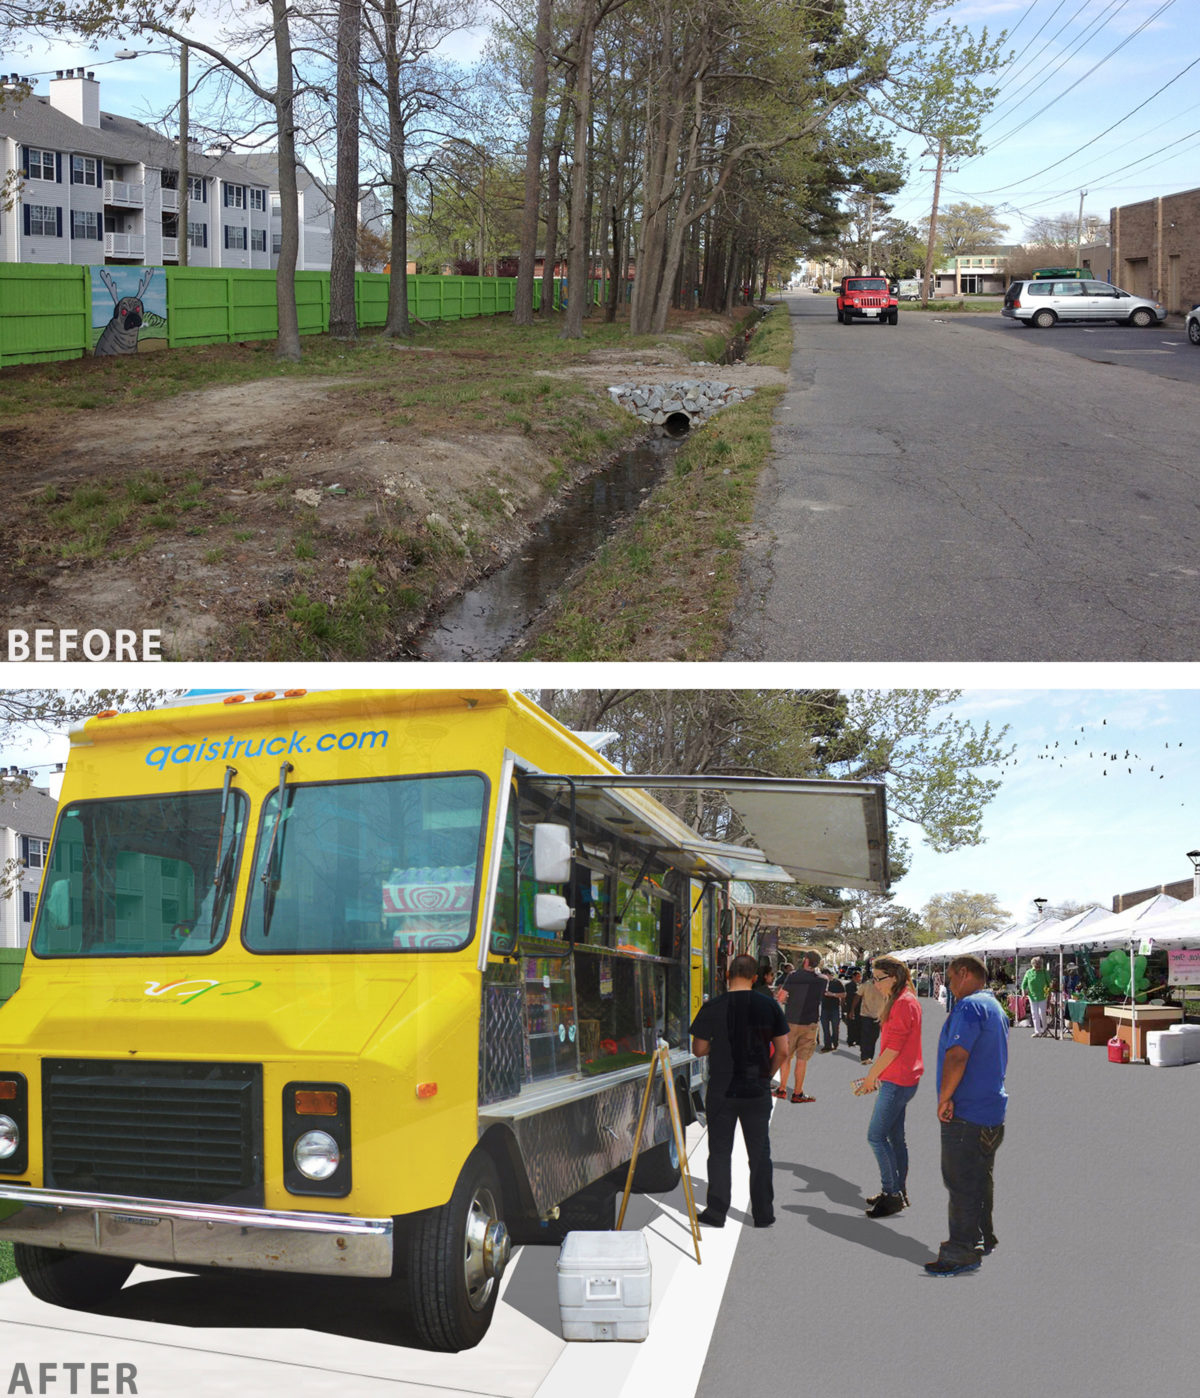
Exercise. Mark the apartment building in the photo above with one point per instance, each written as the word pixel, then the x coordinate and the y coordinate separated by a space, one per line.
pixel 99 189
pixel 26 823
pixel 314 201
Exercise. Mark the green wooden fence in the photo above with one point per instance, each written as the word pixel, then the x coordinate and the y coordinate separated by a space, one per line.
pixel 10 971
pixel 45 311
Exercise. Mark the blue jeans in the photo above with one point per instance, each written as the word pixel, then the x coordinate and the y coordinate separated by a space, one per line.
pixel 968 1155
pixel 886 1135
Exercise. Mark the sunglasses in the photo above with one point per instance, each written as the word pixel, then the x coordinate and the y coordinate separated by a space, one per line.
pixel 884 977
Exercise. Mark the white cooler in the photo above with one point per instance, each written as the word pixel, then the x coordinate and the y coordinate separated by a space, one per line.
pixel 1190 1035
pixel 604 1286
pixel 1164 1048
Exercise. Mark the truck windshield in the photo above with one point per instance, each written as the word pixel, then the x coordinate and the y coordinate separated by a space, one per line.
pixel 142 876
pixel 384 865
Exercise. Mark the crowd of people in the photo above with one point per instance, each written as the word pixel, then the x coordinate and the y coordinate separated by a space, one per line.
pixel 766 1026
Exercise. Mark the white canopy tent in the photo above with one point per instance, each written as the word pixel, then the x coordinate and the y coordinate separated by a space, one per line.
pixel 1112 930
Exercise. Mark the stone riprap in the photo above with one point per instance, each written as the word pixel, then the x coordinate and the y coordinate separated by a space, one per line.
pixel 697 399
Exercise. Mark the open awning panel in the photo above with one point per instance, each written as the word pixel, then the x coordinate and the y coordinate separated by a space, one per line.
pixel 832 833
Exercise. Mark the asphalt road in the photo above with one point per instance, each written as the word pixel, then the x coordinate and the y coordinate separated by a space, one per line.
pixel 1092 1290
pixel 960 488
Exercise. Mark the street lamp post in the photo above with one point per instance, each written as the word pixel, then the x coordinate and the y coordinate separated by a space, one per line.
pixel 1194 856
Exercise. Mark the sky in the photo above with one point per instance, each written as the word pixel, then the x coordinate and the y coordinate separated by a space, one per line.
pixel 1076 819
pixel 1079 821
pixel 1067 117
pixel 1079 68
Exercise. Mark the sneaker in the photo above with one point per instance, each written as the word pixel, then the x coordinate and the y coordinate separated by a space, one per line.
pixel 764 1222
pixel 939 1268
pixel 990 1247
pixel 710 1219
pixel 886 1205
pixel 875 1198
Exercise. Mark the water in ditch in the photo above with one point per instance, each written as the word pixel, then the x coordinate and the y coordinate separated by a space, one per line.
pixel 492 619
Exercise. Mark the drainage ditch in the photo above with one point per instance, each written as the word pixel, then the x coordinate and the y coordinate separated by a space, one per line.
pixel 490 620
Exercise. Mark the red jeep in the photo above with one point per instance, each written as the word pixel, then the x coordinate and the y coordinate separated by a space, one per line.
pixel 868 298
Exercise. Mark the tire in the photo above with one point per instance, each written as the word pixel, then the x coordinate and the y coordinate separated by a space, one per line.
pixel 1193 329
pixel 452 1259
pixel 1044 320
pixel 839 316
pixel 657 1170
pixel 80 1281
pixel 1142 318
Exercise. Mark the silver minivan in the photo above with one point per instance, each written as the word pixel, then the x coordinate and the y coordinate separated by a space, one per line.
pixel 1043 302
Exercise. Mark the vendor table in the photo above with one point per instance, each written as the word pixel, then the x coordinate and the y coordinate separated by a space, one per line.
pixel 1149 1017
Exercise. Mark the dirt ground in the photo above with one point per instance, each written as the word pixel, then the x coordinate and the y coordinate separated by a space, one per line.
pixel 275 486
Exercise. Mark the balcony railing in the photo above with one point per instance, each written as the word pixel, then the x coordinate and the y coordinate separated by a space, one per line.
pixel 171 248
pixel 121 192
pixel 170 201
pixel 125 244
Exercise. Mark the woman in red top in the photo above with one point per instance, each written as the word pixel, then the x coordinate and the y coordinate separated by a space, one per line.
pixel 894 1075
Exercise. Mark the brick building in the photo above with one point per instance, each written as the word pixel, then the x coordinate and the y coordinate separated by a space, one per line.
pixel 1156 248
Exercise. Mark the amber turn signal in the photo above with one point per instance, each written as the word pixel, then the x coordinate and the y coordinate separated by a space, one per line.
pixel 426 1089
pixel 8 1092
pixel 316 1103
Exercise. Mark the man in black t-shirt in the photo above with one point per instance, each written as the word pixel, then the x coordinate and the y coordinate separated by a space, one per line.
pixel 739 1032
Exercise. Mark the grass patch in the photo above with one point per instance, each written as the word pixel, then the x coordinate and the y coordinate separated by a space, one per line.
pixel 297 598
pixel 667 586
pixel 8 1268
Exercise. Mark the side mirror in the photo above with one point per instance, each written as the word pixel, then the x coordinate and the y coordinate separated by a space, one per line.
pixel 551 912
pixel 551 853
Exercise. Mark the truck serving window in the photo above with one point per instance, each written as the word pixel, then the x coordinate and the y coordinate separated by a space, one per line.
pixel 142 876
pixel 384 865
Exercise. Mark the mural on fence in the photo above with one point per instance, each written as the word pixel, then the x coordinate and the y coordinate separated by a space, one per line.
pixel 124 310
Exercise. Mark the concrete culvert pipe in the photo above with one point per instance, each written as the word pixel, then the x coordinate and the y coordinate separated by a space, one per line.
pixel 677 425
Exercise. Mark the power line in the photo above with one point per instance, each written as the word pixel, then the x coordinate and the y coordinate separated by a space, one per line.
pixel 1096 26
pixel 1129 38
pixel 1026 179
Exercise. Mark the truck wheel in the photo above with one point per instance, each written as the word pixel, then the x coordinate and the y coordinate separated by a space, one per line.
pixel 839 316
pixel 77 1280
pixel 453 1258
pixel 657 1170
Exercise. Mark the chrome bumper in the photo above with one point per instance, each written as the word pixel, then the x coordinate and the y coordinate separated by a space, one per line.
pixel 166 1232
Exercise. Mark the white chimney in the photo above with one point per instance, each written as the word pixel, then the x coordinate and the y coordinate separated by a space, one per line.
pixel 77 95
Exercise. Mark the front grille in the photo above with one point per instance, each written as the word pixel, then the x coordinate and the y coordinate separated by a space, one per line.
pixel 190 1131
pixel 872 300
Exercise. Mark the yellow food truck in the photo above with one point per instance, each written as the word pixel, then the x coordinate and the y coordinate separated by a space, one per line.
pixel 365 984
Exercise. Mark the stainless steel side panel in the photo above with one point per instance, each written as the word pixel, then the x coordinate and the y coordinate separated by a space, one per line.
pixel 572 1133
pixel 170 1233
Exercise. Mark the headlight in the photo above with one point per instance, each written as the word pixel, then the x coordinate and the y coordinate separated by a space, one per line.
pixel 316 1155
pixel 10 1137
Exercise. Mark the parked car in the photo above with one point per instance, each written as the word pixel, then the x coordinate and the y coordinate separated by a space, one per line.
pixel 1193 324
pixel 1042 302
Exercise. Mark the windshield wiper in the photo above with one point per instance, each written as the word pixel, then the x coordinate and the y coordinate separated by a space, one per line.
pixel 223 878
pixel 270 874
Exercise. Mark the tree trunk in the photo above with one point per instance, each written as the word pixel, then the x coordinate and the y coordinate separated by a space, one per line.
pixel 287 346
pixel 523 306
pixel 577 229
pixel 397 323
pixel 553 185
pixel 343 315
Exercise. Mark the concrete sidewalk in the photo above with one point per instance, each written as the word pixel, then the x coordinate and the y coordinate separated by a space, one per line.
pixel 1093 1289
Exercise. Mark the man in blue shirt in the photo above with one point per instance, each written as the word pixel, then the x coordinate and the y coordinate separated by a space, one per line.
pixel 971 1063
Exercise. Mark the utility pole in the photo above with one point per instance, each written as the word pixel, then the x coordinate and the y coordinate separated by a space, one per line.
pixel 870 232
pixel 937 194
pixel 1079 229
pixel 182 218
